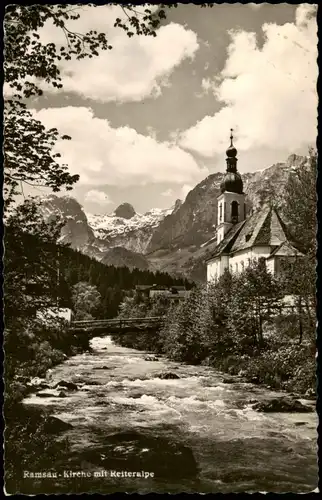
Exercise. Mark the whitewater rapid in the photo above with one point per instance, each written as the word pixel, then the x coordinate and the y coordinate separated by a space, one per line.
pixel 236 448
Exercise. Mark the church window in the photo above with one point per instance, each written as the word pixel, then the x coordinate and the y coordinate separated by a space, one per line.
pixel 242 265
pixel 231 268
pixel 220 212
pixel 234 211
pixel 236 267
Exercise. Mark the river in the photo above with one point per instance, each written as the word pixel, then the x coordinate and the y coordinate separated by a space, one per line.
pixel 211 422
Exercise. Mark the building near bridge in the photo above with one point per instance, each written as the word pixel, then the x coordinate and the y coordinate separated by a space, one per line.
pixel 242 239
pixel 175 292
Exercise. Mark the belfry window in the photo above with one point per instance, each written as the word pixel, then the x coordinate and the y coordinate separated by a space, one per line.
pixel 234 211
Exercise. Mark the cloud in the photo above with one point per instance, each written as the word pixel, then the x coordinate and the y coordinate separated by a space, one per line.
pixel 268 94
pixel 136 67
pixel 99 197
pixel 168 192
pixel 103 155
pixel 186 188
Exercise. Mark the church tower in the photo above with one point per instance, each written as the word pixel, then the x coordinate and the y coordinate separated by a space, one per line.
pixel 231 201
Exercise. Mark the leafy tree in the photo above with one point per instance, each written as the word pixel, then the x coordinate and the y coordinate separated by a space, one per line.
pixel 85 298
pixel 28 156
pixel 255 294
pixel 219 297
pixel 298 278
pixel 30 278
pixel 183 336
pixel 299 275
pixel 300 204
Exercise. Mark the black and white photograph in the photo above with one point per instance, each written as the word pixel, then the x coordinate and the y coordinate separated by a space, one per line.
pixel 159 249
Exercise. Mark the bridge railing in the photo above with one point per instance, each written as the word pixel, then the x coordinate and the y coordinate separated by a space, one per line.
pixel 115 322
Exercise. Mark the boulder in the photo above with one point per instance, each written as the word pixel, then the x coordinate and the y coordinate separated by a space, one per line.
pixel 151 358
pixel 47 394
pixel 62 394
pixel 168 376
pixel 54 425
pixel 67 385
pixel 310 394
pixel 102 368
pixel 228 381
pixel 282 405
pixel 136 452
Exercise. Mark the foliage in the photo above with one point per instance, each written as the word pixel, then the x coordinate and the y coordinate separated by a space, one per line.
pixel 29 446
pixel 29 62
pixel 300 203
pixel 85 298
pixel 190 323
pixel 30 278
pixel 256 294
pixel 235 325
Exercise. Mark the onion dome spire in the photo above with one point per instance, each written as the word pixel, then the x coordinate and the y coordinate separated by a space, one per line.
pixel 231 154
pixel 232 181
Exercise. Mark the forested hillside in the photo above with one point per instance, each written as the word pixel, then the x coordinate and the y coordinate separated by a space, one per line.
pixel 113 283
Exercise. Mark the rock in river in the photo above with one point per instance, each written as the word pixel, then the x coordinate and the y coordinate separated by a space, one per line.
pixel 67 385
pixel 135 451
pixel 282 405
pixel 151 358
pixel 168 375
pixel 54 425
pixel 227 380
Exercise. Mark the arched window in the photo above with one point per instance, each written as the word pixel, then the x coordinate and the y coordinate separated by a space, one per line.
pixel 242 265
pixel 234 211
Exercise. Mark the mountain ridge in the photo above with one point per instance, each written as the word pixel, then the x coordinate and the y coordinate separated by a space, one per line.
pixel 175 240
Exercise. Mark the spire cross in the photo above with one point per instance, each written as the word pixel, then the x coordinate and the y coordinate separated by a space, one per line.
pixel 231 136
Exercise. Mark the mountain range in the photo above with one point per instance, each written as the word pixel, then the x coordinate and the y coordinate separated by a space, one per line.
pixel 175 240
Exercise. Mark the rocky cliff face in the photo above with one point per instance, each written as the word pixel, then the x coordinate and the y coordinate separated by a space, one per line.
pixel 133 233
pixel 76 230
pixel 194 222
pixel 125 211
pixel 186 237
pixel 118 239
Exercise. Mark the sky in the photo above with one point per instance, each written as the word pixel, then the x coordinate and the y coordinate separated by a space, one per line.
pixel 151 118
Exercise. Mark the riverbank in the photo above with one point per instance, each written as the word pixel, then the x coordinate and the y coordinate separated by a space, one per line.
pixel 42 348
pixel 275 365
pixel 120 403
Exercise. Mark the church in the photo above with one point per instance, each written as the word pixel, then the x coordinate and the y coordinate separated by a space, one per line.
pixel 242 239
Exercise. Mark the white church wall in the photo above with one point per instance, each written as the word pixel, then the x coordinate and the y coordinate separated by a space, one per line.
pixel 224 264
pixel 213 270
pixel 270 265
pixel 244 257
pixel 239 261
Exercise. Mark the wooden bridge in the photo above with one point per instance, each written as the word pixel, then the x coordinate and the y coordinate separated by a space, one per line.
pixel 106 326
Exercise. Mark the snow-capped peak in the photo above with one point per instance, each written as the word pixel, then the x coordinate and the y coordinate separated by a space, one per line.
pixel 112 225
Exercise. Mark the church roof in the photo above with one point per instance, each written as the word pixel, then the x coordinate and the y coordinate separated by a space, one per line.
pixel 263 228
pixel 285 249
